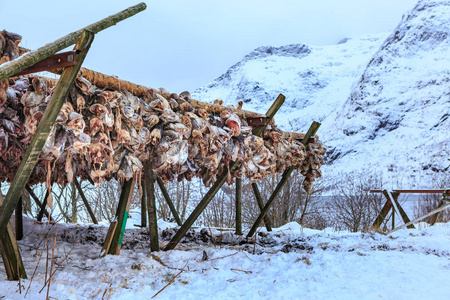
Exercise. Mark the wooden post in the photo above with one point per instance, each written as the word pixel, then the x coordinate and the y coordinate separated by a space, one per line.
pixel 311 132
pixel 152 218
pixel 10 253
pixel 384 211
pixel 44 204
pixel 238 206
pixel 169 201
pixel 19 220
pixel 34 150
pixel 267 221
pixel 143 205
pixel 118 232
pixel 393 218
pixel 25 61
pixel 38 203
pixel 441 203
pixel 218 184
pixel 400 210
pixel 439 209
pixel 86 203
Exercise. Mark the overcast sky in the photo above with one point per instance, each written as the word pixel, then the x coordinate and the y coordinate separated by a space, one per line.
pixel 184 44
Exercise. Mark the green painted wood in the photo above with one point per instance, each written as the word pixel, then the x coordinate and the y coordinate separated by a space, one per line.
pixel 121 217
pixel 259 201
pixel 151 199
pixel 384 211
pixel 86 203
pixel 218 184
pixel 31 58
pixel 238 204
pixel 169 201
pixel 45 125
pixel 400 209
pixel 310 133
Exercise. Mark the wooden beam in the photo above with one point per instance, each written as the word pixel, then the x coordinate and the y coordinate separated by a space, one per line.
pixel 403 214
pixel 259 201
pixel 238 204
pixel 441 203
pixel 38 203
pixel 118 230
pixel 143 205
pixel 12 260
pixel 384 211
pixel 434 211
pixel 169 201
pixel 86 203
pixel 311 132
pixel 25 61
pixel 44 204
pixel 152 218
pixel 34 150
pixel 218 184
pixel 18 223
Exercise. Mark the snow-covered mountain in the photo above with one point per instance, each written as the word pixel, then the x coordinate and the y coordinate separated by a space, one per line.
pixel 383 100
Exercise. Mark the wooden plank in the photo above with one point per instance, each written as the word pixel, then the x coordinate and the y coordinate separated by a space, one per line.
pixel 238 205
pixel 400 209
pixel 218 184
pixel 86 203
pixel 34 149
pixel 434 211
pixel 259 201
pixel 108 239
pixel 121 217
pixel 18 223
pixel 311 132
pixel 169 201
pixel 384 211
pixel 143 205
pixel 25 61
pixel 59 60
pixel 152 217
pixel 412 191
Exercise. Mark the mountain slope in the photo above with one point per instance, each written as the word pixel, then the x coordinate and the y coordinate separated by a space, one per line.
pixel 383 100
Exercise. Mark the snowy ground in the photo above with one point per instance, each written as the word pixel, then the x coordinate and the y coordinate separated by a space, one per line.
pixel 288 263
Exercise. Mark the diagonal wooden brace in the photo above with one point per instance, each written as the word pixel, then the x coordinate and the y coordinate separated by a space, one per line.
pixel 169 201
pixel 311 132
pixel 384 211
pixel 219 181
pixel 403 214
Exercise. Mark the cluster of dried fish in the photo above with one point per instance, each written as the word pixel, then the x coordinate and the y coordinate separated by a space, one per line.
pixel 102 134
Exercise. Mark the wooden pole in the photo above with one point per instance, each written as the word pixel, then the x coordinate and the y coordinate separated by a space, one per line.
pixel 152 218
pixel 10 253
pixel 216 186
pixel 38 203
pixel 143 205
pixel 439 209
pixel 311 132
pixel 169 201
pixel 25 61
pixel 44 204
pixel 119 226
pixel 34 150
pixel 259 201
pixel 86 203
pixel 19 220
pixel 403 214
pixel 238 206
pixel 384 211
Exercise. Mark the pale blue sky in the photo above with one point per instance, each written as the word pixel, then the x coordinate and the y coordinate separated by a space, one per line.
pixel 184 44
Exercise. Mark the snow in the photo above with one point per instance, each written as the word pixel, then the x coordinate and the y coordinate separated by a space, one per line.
pixel 290 262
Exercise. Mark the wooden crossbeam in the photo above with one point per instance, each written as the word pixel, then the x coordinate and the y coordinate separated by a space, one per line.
pixel 151 204
pixel 38 203
pixel 286 174
pixel 86 203
pixel 218 184
pixel 44 204
pixel 401 211
pixel 384 211
pixel 169 201
pixel 259 201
